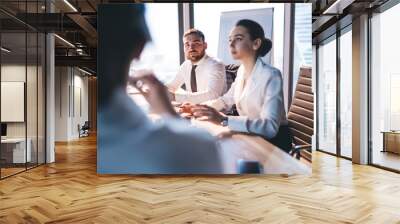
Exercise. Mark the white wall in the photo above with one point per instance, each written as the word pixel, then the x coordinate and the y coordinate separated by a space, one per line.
pixel 33 126
pixel 61 103
pixel 10 73
pixel 79 112
pixel 16 72
pixel 71 94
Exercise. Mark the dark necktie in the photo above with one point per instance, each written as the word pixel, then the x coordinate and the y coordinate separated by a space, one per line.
pixel 193 83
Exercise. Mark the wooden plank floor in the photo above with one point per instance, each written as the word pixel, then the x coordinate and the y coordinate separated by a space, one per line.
pixel 70 191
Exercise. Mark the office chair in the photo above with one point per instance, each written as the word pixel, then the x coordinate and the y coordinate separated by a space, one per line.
pixel 84 130
pixel 301 116
pixel 231 72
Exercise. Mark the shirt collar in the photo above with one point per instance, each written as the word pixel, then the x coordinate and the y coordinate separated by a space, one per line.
pixel 201 60
pixel 259 63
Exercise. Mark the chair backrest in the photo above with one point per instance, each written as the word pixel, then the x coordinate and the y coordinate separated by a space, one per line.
pixel 301 112
pixel 86 125
pixel 231 72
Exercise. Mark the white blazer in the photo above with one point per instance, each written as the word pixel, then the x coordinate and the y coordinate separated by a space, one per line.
pixel 130 143
pixel 259 103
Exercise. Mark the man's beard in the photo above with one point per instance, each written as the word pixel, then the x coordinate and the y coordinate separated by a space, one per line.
pixel 195 58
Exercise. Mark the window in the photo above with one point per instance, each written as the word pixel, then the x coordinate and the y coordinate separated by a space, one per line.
pixel 346 94
pixel 22 74
pixel 162 53
pixel 207 19
pixel 302 53
pixel 13 73
pixel 333 74
pixel 385 85
pixel 327 96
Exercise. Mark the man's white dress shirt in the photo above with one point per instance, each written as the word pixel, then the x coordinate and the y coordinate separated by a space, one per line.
pixel 210 79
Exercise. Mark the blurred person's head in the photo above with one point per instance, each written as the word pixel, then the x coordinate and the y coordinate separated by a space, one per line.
pixel 247 39
pixel 123 34
pixel 194 45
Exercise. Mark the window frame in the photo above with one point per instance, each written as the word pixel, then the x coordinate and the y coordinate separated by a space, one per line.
pixel 379 10
pixel 27 29
pixel 336 36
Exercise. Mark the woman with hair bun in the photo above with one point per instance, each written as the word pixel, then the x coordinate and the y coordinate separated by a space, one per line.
pixel 257 91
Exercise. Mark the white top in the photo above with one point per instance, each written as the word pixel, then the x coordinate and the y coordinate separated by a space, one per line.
pixel 130 143
pixel 259 104
pixel 210 80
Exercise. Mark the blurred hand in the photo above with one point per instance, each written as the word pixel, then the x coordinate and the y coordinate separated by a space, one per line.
pixel 171 96
pixel 207 113
pixel 155 93
pixel 225 134
pixel 185 108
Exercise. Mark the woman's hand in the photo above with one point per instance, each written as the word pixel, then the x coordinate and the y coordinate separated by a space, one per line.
pixel 155 93
pixel 207 113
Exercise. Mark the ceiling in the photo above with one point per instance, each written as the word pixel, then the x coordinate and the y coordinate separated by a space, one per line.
pixel 77 24
pixel 330 15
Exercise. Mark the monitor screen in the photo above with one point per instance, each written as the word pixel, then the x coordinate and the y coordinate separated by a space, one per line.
pixel 3 129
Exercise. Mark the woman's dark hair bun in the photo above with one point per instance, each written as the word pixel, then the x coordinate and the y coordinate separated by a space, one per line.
pixel 265 47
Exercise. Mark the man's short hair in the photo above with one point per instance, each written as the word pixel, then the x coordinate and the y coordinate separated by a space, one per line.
pixel 194 31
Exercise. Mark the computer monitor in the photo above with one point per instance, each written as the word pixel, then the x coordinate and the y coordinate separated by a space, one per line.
pixel 3 129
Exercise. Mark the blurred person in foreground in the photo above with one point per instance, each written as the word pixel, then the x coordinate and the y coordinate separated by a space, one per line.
pixel 128 142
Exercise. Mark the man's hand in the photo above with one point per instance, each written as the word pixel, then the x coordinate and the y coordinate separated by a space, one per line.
pixel 155 93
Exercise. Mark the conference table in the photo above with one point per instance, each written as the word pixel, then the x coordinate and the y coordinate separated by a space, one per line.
pixel 240 146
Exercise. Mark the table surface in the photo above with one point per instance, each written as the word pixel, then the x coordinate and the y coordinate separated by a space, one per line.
pixel 236 146
pixel 13 140
pixel 390 132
